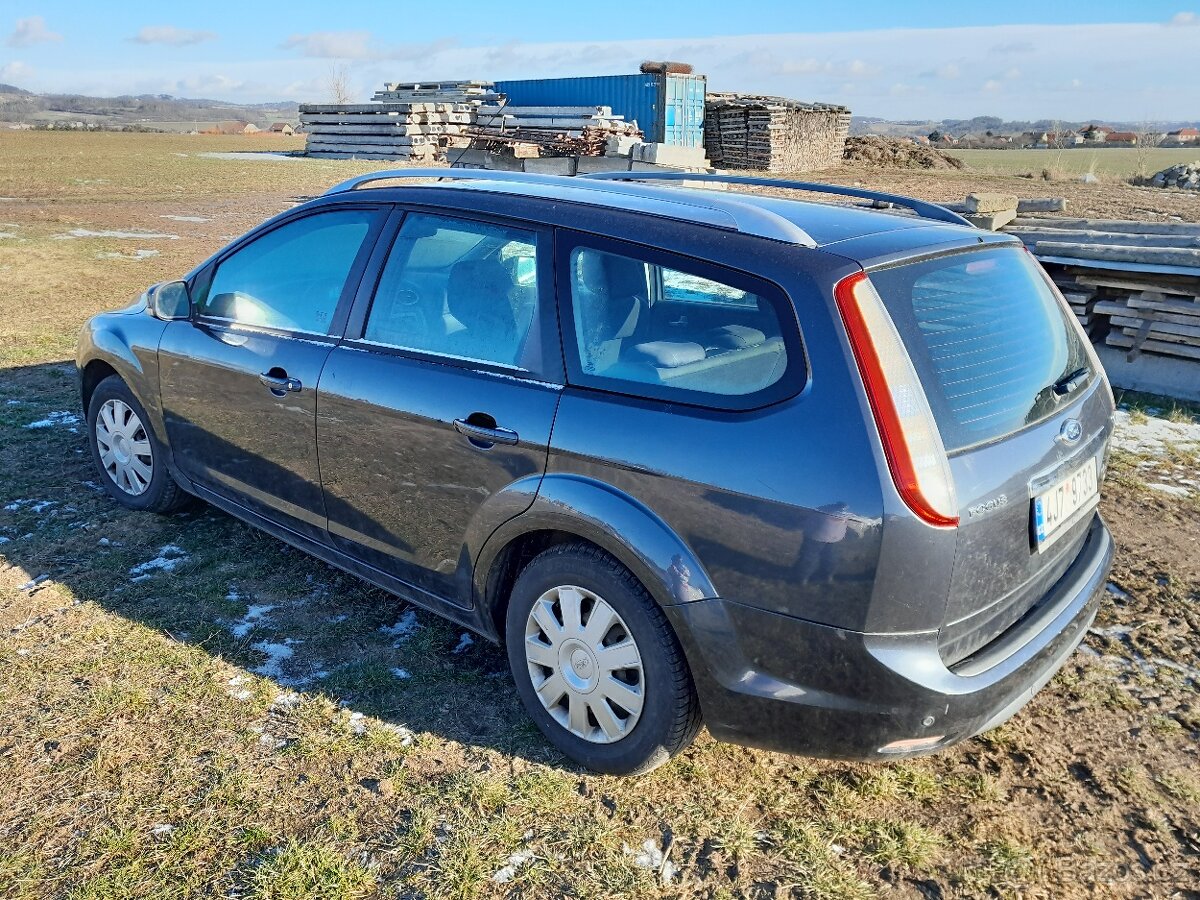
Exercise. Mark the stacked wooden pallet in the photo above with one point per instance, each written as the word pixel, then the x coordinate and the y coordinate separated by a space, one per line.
pixel 549 130
pixel 773 134
pixel 1135 284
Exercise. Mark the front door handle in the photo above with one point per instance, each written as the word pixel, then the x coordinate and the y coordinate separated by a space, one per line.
pixel 482 434
pixel 279 384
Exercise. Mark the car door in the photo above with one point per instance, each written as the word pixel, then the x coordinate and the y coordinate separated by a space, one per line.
pixel 434 413
pixel 239 379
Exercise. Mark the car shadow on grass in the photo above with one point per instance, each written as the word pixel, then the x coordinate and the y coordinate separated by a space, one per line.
pixel 203 578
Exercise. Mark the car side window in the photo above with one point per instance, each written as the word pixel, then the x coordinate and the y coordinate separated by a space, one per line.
pixel 458 288
pixel 671 330
pixel 292 277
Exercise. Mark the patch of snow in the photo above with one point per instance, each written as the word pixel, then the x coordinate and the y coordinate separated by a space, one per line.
pixel 649 856
pixel 133 235
pixel 231 154
pixel 4 540
pixel 1115 631
pixel 186 218
pixel 508 872
pixel 41 506
pixel 1173 489
pixel 1151 437
pixel 407 738
pixel 465 641
pixel 358 723
pixel 7 234
pixel 277 653
pixel 55 418
pixel 168 560
pixel 402 674
pixel 14 402
pixel 237 688
pixel 286 700
pixel 403 628
pixel 34 582
pixel 254 615
pixel 161 830
pixel 1116 591
pixel 135 255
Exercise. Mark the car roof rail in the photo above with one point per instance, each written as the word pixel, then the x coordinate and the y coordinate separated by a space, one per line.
pixel 726 211
pixel 920 207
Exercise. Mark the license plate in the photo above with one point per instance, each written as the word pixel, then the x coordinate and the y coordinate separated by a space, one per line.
pixel 1055 508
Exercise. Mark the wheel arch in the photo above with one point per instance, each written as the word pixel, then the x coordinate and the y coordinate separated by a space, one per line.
pixel 572 508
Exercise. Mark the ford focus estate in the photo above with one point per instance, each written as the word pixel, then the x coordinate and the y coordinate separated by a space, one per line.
pixel 823 478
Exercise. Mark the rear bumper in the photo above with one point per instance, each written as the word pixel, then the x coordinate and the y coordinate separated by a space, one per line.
pixel 782 683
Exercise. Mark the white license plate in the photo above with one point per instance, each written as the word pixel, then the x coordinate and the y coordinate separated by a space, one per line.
pixel 1056 507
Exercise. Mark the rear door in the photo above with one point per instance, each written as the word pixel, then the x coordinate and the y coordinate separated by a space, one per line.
pixel 239 380
pixel 1024 414
pixel 434 414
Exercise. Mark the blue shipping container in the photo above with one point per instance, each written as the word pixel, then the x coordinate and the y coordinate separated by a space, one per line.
pixel 668 108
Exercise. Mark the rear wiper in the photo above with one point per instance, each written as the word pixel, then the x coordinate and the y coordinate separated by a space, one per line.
pixel 1071 381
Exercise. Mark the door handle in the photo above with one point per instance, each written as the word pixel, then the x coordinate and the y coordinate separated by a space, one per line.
pixel 483 434
pixel 279 384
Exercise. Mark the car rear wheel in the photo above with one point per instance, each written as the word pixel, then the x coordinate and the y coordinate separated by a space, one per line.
pixel 596 663
pixel 131 460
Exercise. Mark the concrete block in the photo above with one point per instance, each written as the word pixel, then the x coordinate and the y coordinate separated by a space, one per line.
pixel 669 155
pixel 992 221
pixel 554 165
pixel 620 145
pixel 588 164
pixel 1042 204
pixel 990 203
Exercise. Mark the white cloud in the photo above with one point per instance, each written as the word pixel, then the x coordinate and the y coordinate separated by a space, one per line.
pixel 991 86
pixel 15 71
pixel 30 31
pixel 1184 18
pixel 859 69
pixel 169 34
pixel 360 45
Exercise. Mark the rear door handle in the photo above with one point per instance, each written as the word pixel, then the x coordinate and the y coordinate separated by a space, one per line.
pixel 280 383
pixel 485 435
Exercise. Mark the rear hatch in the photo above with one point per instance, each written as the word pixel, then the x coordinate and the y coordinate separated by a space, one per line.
pixel 1024 413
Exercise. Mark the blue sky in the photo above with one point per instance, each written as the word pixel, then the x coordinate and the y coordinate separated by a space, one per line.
pixel 1018 59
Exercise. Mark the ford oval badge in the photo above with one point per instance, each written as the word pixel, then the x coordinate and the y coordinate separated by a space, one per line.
pixel 1071 431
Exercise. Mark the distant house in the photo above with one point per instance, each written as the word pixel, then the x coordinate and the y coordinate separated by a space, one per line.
pixel 1184 136
pixel 1121 137
pixel 281 128
pixel 1097 134
pixel 919 139
pixel 236 128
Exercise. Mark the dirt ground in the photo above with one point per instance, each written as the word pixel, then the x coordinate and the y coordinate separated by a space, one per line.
pixel 190 708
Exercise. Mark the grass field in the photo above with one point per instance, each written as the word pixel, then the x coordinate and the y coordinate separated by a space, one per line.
pixel 188 708
pixel 1126 162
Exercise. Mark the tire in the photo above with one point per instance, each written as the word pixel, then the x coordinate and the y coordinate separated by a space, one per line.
pixel 133 438
pixel 592 675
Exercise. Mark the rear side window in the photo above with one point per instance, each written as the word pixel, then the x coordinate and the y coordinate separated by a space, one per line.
pixel 642 326
pixel 292 277
pixel 462 289
pixel 988 338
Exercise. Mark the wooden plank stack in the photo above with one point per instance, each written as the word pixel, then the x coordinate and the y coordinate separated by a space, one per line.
pixel 548 130
pixel 773 134
pixel 413 121
pixel 1134 284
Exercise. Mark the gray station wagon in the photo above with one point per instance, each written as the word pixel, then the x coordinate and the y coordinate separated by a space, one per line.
pixel 821 477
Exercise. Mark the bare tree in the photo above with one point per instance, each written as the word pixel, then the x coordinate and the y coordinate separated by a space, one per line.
pixel 337 83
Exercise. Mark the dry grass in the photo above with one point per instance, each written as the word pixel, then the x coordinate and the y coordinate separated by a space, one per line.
pixel 147 752
pixel 1122 163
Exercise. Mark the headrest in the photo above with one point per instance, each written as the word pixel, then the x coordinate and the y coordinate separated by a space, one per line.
pixel 477 294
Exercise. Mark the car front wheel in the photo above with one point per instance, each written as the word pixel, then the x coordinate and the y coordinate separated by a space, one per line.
pixel 131 460
pixel 596 663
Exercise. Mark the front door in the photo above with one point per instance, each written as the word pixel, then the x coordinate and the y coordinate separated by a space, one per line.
pixel 434 414
pixel 239 381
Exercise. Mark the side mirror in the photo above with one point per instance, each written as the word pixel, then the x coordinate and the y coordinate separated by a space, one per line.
pixel 170 301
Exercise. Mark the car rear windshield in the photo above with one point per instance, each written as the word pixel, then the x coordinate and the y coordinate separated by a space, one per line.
pixel 988 338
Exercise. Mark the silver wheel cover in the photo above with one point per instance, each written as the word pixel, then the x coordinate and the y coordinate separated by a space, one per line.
pixel 584 664
pixel 124 447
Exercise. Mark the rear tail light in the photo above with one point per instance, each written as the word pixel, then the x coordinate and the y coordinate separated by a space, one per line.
pixel 911 441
